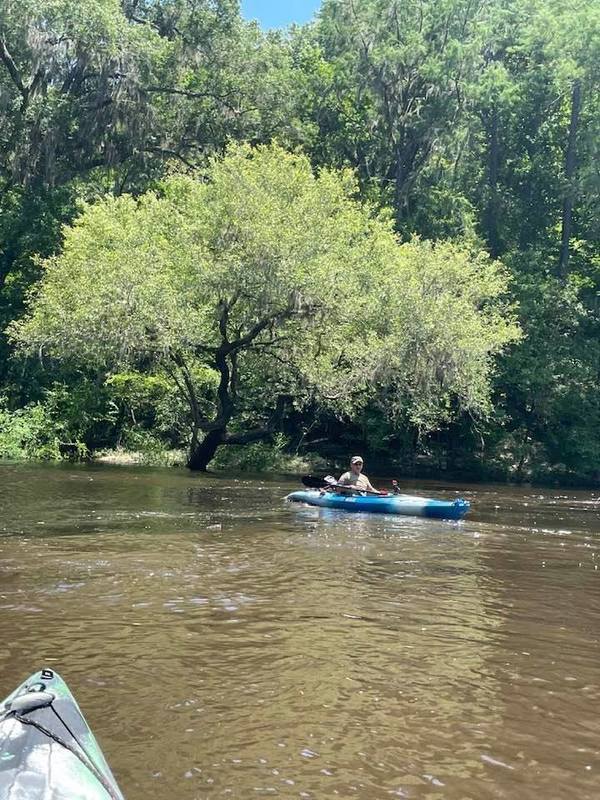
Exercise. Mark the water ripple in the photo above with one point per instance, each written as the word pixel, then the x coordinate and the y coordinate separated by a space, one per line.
pixel 223 643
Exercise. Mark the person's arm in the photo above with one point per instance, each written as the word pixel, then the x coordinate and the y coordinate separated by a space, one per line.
pixel 344 479
pixel 370 487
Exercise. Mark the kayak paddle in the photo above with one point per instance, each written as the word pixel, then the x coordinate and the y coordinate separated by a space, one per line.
pixel 328 482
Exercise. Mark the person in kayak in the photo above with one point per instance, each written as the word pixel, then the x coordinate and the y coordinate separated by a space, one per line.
pixel 354 479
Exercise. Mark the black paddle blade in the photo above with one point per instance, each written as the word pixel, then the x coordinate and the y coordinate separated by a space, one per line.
pixel 313 481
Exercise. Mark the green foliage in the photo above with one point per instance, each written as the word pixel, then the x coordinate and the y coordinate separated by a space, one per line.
pixel 260 457
pixel 100 96
pixel 549 397
pixel 476 124
pixel 70 77
pixel 265 281
pixel 82 410
pixel 30 225
pixel 29 433
pixel 144 447
pixel 138 389
pixel 400 72
pixel 150 404
pixel 67 420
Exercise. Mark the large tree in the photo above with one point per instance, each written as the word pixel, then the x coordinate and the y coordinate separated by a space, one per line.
pixel 265 284
pixel 125 84
pixel 99 96
pixel 393 87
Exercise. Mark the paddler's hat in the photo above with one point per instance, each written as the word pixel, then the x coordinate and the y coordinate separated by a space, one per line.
pixel 356 460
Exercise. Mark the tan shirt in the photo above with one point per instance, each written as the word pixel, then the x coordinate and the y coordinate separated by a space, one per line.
pixel 358 481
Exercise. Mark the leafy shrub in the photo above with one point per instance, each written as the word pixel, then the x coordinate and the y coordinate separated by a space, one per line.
pixel 147 448
pixel 28 432
pixel 259 457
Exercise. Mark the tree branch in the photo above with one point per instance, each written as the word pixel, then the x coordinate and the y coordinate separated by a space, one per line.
pixel 223 320
pixel 165 151
pixel 259 327
pixel 188 390
pixel 140 21
pixel 222 98
pixel 10 65
pixel 248 437
pixel 256 434
pixel 187 92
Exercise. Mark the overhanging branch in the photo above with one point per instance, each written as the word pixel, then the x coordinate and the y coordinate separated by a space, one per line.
pixel 256 434
pixel 10 65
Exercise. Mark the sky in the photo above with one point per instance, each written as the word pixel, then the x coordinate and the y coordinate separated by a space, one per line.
pixel 279 13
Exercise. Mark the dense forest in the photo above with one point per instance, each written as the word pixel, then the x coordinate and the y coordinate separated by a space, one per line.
pixel 375 232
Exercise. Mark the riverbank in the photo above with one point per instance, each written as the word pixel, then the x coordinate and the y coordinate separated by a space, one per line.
pixel 260 457
pixel 263 457
pixel 122 457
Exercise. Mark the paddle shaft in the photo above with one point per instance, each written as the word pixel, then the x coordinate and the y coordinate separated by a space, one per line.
pixel 321 483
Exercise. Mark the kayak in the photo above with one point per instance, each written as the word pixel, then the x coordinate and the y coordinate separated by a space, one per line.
pixel 407 504
pixel 47 751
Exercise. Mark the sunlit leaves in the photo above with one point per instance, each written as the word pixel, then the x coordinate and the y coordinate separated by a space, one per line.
pixel 315 288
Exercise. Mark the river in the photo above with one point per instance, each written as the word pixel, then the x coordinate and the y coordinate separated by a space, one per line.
pixel 223 643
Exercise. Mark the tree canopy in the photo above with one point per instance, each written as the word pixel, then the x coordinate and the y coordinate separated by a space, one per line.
pixel 472 134
pixel 265 284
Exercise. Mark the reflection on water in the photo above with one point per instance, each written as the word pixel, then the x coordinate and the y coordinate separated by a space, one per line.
pixel 225 644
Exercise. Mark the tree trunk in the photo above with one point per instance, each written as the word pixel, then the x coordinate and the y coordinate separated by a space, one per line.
pixel 201 456
pixel 570 164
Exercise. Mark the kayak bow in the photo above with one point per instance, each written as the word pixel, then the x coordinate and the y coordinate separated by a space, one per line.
pixel 47 750
pixel 407 504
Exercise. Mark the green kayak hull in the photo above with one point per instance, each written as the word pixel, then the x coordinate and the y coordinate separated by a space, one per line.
pixel 47 750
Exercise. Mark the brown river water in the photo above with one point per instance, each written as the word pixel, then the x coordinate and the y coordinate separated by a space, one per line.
pixel 223 643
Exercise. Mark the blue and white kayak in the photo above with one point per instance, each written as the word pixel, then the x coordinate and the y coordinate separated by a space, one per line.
pixel 47 751
pixel 407 504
